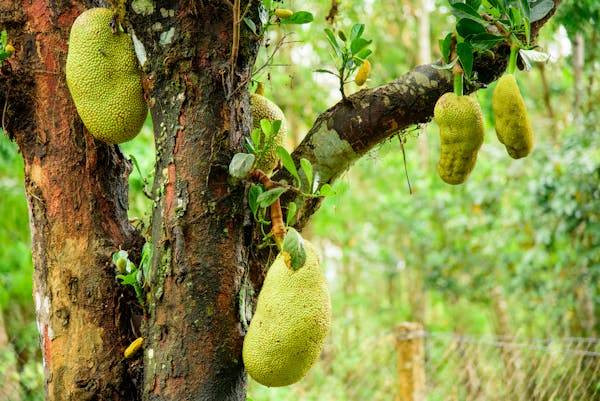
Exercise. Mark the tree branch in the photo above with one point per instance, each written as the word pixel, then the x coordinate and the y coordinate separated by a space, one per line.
pixel 351 128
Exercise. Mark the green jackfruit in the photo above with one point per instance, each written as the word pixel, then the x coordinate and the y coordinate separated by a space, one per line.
pixel 104 78
pixel 263 108
pixel 292 319
pixel 461 135
pixel 513 126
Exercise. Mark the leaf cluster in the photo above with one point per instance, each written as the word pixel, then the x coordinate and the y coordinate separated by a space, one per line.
pixel 349 52
pixel 484 24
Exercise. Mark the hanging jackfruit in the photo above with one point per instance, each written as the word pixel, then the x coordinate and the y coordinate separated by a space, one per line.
pixel 292 319
pixel 263 108
pixel 513 126
pixel 104 78
pixel 461 135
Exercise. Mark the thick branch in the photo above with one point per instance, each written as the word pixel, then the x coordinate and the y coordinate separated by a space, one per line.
pixel 351 128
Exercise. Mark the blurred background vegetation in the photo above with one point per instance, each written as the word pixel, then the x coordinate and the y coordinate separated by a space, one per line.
pixel 523 235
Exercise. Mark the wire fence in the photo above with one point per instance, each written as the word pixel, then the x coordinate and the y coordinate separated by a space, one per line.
pixel 431 366
pixel 469 368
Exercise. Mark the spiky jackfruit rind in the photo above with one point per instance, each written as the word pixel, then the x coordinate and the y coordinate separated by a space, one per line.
pixel 461 136
pixel 292 320
pixel 104 78
pixel 513 126
pixel 263 108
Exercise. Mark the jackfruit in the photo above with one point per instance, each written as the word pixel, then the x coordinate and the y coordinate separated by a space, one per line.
pixel 363 73
pixel 104 78
pixel 292 319
pixel 263 108
pixel 513 126
pixel 283 13
pixel 461 135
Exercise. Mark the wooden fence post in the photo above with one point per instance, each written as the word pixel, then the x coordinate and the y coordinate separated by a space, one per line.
pixel 410 351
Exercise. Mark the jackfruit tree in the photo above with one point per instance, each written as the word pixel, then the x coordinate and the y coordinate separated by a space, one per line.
pixel 67 102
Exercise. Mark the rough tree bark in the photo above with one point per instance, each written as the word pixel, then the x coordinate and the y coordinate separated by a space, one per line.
pixel 204 260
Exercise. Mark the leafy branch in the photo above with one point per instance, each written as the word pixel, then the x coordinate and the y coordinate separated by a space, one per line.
pixel 349 53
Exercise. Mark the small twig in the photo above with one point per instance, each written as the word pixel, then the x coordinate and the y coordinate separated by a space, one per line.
pixel 4 110
pixel 410 191
pixel 497 24
pixel 280 43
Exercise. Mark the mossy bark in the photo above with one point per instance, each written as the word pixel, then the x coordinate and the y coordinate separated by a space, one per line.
pixel 201 114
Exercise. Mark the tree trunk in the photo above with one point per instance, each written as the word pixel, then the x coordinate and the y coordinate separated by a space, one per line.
pixel 200 240
pixel 77 194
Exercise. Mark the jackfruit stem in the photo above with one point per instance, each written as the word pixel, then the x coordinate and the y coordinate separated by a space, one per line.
pixel 277 224
pixel 512 61
pixel 458 84
pixel 260 89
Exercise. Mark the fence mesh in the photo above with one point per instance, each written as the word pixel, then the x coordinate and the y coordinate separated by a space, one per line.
pixel 469 368
pixel 457 367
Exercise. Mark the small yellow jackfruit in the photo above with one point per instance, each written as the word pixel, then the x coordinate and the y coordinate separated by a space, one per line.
pixel 104 78
pixel 134 347
pixel 513 126
pixel 292 320
pixel 10 49
pixel 461 135
pixel 363 73
pixel 263 108
pixel 283 13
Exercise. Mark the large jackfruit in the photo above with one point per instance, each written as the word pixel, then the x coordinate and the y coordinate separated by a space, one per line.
pixel 513 126
pixel 292 319
pixel 461 135
pixel 263 108
pixel 104 78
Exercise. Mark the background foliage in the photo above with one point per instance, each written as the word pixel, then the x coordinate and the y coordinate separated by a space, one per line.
pixel 528 230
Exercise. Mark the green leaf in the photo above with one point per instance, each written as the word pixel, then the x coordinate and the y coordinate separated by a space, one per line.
pixel 145 263
pixel 357 31
pixel 241 165
pixel 255 135
pixel 525 8
pixel 265 125
pixel 541 9
pixel 333 42
pixel 128 279
pixel 323 70
pixel 275 126
pixel 363 54
pixel 359 44
pixel 253 194
pixel 298 18
pixel 484 41
pixel 251 25
pixel 462 10
pixel 316 182
pixel 466 27
pixel 3 39
pixel 308 171
pixel 533 56
pixel 268 4
pixel 326 190
pixel 293 245
pixel 445 47
pixel 342 36
pixel 267 198
pixel 465 54
pixel 287 162
pixel 249 146
pixel 474 4
pixel 292 208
